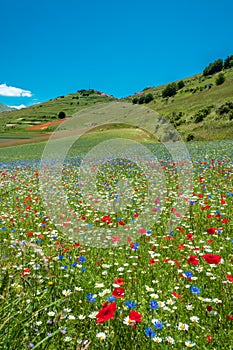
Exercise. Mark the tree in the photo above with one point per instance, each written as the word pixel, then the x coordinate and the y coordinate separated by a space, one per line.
pixel 180 84
pixel 141 100
pixel 61 115
pixel 170 90
pixel 228 63
pixel 148 98
pixel 213 67
pixel 135 100
pixel 220 79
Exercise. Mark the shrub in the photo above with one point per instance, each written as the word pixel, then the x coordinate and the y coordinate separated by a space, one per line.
pixel 201 114
pixel 61 115
pixel 135 100
pixel 220 79
pixel 141 100
pixel 213 67
pixel 148 98
pixel 169 90
pixel 228 63
pixel 189 137
pixel 180 84
pixel 226 108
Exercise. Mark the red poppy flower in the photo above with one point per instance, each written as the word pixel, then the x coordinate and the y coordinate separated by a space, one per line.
pixel 225 221
pixel 209 308
pixel 106 312
pixel 190 236
pixel 209 338
pixel 118 292
pixel 205 207
pixel 193 260
pixel 119 281
pixel 121 223
pixel 116 239
pixel 230 318
pixel 230 278
pixel 211 230
pixel 212 258
pixel 153 262
pixel 106 219
pixel 176 295
pixel 25 272
pixel 142 231
pixel 135 316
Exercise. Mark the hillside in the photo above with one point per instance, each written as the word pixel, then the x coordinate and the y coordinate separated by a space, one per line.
pixel 4 108
pixel 20 120
pixel 200 109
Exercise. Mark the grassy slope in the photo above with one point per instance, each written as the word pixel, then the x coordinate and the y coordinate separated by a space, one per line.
pixel 187 103
pixel 18 121
pixel 180 109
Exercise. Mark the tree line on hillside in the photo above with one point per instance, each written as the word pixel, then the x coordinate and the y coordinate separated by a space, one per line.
pixel 214 67
pixel 218 66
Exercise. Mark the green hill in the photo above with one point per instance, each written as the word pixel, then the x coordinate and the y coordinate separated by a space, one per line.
pixel 200 108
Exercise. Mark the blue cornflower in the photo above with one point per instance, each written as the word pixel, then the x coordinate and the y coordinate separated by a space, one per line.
pixel 81 259
pixel 135 246
pixel 131 304
pixel 149 332
pixel 60 257
pixel 90 298
pixel 192 202
pixel 188 274
pixel 154 304
pixel 111 299
pixel 74 264
pixel 158 324
pixel 83 269
pixel 195 290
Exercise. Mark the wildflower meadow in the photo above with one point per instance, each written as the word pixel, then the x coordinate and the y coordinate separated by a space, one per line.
pixel 152 289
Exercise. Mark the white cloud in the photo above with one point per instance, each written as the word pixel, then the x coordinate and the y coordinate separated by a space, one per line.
pixel 13 91
pixel 18 107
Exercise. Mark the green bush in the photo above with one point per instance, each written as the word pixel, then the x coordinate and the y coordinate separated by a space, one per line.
pixel 189 137
pixel 226 108
pixel 220 79
pixel 180 84
pixel 228 63
pixel 201 114
pixel 169 90
pixel 61 115
pixel 148 98
pixel 213 67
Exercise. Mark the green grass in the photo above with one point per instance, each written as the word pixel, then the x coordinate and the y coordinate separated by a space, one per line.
pixel 51 289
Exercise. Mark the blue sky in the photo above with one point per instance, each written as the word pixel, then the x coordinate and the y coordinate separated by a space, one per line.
pixel 51 48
